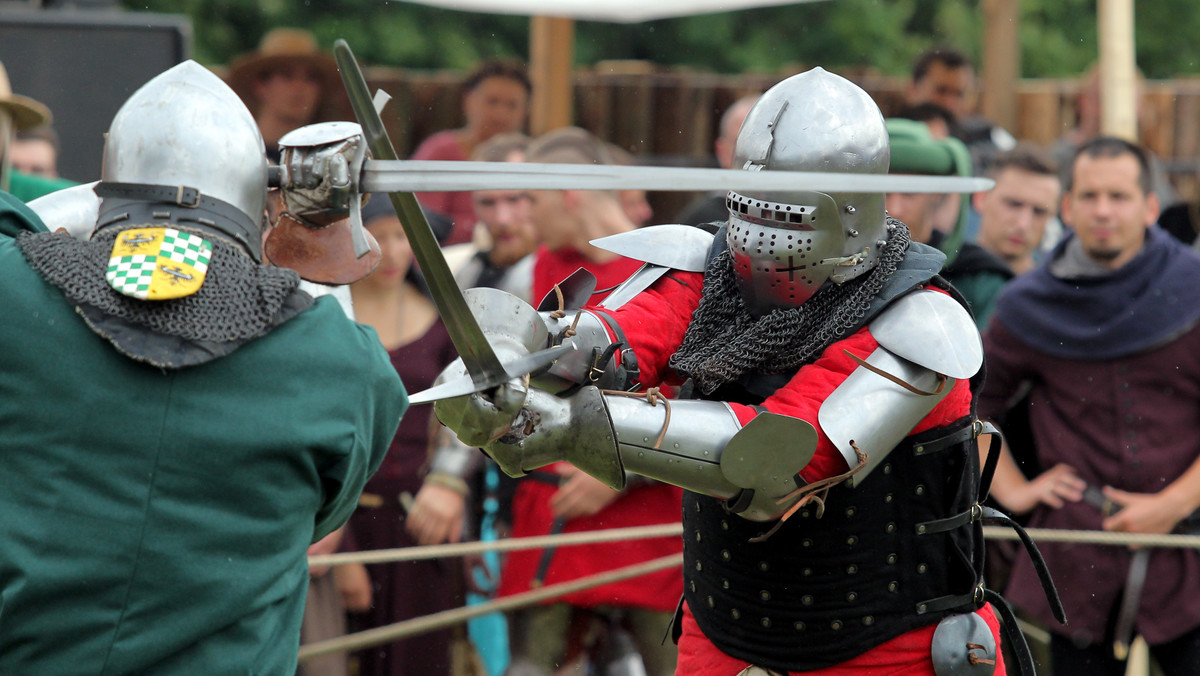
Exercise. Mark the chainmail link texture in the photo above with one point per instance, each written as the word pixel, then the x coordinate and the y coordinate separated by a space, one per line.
pixel 239 300
pixel 724 340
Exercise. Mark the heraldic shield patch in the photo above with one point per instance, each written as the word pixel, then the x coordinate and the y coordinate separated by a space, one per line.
pixel 158 263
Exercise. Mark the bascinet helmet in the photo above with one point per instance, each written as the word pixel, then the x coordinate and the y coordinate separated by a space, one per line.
pixel 785 245
pixel 185 150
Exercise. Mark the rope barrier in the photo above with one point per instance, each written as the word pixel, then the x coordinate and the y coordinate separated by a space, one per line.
pixel 446 618
pixel 1039 535
pixel 1096 537
pixel 506 545
pixel 419 625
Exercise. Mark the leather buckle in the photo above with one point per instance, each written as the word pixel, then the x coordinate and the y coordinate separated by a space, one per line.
pixel 187 197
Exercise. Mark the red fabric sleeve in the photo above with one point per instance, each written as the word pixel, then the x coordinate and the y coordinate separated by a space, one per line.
pixel 654 323
pixel 807 390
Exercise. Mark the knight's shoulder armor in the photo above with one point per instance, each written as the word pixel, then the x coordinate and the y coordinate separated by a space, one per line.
pixel 932 330
pixel 672 246
pixel 927 342
pixel 661 248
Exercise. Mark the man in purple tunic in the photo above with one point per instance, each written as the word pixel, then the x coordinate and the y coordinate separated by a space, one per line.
pixel 1104 334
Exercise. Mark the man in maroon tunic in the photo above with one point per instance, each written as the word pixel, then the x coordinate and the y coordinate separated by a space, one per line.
pixel 1105 335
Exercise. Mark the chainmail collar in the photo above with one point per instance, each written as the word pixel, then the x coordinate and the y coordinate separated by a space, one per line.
pixel 239 301
pixel 724 341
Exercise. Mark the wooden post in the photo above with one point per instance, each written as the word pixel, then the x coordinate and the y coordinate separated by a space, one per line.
pixel 1001 60
pixel 551 65
pixel 1118 69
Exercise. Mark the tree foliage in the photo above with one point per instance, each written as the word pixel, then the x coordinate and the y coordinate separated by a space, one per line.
pixel 1057 39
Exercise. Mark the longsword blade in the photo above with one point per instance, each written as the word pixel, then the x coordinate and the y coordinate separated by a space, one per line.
pixel 412 175
pixel 480 360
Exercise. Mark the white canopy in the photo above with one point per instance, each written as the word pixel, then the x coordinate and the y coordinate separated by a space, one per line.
pixel 616 11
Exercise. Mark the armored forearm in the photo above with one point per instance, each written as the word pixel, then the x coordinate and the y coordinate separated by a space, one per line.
pixel 598 359
pixel 698 445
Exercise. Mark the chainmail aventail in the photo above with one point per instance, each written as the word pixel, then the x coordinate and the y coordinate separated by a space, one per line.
pixel 725 341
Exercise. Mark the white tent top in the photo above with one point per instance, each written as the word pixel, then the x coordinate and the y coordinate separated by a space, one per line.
pixel 616 11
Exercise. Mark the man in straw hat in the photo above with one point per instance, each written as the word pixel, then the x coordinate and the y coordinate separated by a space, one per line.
pixel 287 83
pixel 19 113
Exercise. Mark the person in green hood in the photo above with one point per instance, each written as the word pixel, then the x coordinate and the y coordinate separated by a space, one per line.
pixel 977 274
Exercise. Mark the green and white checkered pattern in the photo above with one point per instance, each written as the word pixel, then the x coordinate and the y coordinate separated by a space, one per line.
pixel 131 275
pixel 181 247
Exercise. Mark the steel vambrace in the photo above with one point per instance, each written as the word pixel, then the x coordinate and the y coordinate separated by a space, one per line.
pixel 697 445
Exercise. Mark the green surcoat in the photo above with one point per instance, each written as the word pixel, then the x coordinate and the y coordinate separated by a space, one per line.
pixel 156 521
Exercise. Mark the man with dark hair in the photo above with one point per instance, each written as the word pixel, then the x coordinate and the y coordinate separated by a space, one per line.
pixel 35 151
pixel 1013 216
pixel 945 76
pixel 940 121
pixel 1104 335
pixel 495 100
pixel 977 274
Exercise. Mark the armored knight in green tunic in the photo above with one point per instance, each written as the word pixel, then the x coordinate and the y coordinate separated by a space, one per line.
pixel 179 421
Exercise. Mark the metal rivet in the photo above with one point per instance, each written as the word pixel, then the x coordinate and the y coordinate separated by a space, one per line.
pixel 726 555
pixel 764 595
pixel 711 602
pixel 697 536
pixel 888 498
pixel 692 584
pixel 806 600
pixel 806 542
pixel 891 528
pixel 736 614
pixel 852 597
pixel 849 511
pixel 891 558
pixel 868 621
pixel 920 529
pixel 849 208
pixel 851 569
pixel 920 490
pixel 724 583
pixel 798 626
pixel 922 568
pixel 887 469
pixel 763 566
pixel 893 586
pixel 808 571
pixel 835 625
pixel 699 565
pixel 852 540
pixel 724 525
pixel 919 450
pixel 921 608
pixel 766 623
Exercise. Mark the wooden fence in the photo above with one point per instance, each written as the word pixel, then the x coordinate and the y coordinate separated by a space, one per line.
pixel 670 115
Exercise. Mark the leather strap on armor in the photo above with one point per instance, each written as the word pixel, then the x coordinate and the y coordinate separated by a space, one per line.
pixel 138 203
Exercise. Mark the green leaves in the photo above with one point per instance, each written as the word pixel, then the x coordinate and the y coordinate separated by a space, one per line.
pixel 1058 37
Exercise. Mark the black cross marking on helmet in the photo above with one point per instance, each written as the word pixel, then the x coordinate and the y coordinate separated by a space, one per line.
pixel 176 274
pixel 791 269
